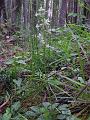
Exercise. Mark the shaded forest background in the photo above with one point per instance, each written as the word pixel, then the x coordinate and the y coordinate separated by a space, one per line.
pixel 59 12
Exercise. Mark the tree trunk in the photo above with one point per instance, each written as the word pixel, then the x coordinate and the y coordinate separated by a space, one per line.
pixel 62 13
pixel 75 10
pixel 70 10
pixel 3 16
pixel 13 14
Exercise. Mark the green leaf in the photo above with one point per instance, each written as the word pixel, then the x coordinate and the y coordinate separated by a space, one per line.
pixel 55 105
pixel 9 62
pixel 41 117
pixel 72 14
pixel 42 109
pixel 30 114
pixel 18 82
pixel 7 114
pixel 35 109
pixel 16 106
pixel 88 118
pixel 54 82
pixel 71 80
pixel 21 117
pixel 21 62
pixel 81 79
pixel 46 104
pixel 63 107
pixel 66 112
pixel 61 117
pixel 72 117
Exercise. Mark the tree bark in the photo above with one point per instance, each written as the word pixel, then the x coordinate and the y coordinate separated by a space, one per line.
pixel 26 12
pixel 62 13
pixel 3 16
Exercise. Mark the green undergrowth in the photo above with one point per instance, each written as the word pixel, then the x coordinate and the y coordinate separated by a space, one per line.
pixel 46 79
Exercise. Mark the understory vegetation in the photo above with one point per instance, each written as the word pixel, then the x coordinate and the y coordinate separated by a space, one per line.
pixel 45 75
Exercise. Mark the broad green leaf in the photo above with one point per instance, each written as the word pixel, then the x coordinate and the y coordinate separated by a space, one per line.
pixel 7 115
pixel 55 105
pixel 18 82
pixel 81 79
pixel 63 107
pixel 66 112
pixel 42 109
pixel 21 117
pixel 88 118
pixel 16 106
pixel 30 114
pixel 35 109
pixel 41 117
pixel 9 62
pixel 61 117
pixel 46 104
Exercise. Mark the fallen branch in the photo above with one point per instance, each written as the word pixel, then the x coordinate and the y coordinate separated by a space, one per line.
pixel 3 105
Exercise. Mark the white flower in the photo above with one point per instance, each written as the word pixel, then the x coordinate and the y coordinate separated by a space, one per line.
pixel 41 9
pixel 37 26
pixel 36 14
pixel 46 22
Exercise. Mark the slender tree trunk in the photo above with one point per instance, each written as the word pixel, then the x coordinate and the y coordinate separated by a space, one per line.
pixel 33 12
pixel 55 16
pixel 75 10
pixel 50 9
pixel 87 2
pixel 3 16
pixel 70 10
pixel 13 14
pixel 62 13
pixel 8 7
pixel 25 14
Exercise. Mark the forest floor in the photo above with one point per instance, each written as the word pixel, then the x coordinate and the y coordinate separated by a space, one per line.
pixel 30 79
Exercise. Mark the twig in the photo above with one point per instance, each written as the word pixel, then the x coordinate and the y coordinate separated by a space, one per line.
pixel 80 101
pixel 88 84
pixel 3 105
pixel 53 92
pixel 82 111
